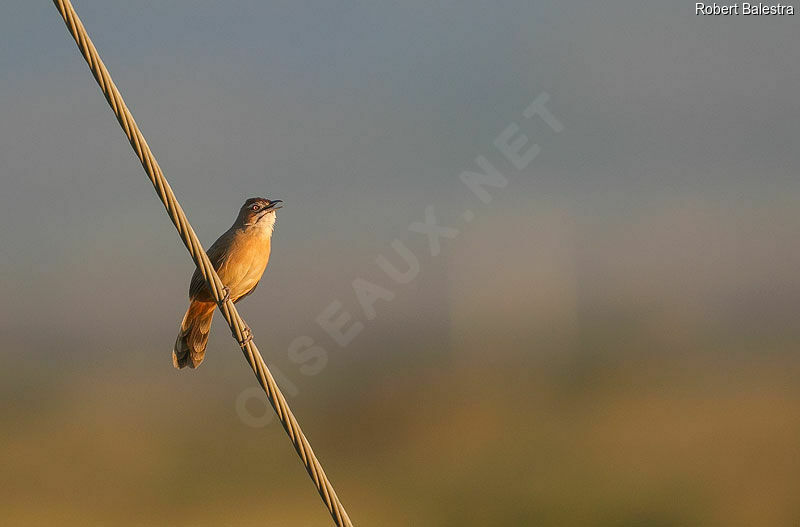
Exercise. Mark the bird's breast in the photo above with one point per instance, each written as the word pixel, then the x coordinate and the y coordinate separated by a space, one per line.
pixel 246 262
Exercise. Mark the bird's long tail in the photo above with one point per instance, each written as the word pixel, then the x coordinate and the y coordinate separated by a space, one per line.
pixel 190 346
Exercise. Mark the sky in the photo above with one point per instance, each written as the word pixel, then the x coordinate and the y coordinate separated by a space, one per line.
pixel 361 116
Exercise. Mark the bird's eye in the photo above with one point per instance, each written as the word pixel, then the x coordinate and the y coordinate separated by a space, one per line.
pixel 255 207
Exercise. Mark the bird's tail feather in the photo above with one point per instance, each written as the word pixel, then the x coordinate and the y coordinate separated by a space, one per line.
pixel 190 346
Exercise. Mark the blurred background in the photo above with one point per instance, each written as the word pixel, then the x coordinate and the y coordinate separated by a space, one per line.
pixel 611 341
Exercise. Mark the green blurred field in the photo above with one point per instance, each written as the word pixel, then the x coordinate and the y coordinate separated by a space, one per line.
pixel 453 437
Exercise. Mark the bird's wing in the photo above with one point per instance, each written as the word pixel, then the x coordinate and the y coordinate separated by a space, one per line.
pixel 217 254
pixel 249 292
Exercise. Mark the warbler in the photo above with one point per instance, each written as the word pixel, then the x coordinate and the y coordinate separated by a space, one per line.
pixel 240 257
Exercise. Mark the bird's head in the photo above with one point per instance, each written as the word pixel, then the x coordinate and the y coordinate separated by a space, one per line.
pixel 259 211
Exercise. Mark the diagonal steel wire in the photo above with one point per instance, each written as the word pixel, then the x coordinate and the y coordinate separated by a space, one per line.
pixel 176 214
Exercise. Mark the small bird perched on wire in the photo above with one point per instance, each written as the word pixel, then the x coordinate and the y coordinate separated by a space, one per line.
pixel 239 256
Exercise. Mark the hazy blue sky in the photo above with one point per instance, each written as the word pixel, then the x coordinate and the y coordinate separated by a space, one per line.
pixel 359 115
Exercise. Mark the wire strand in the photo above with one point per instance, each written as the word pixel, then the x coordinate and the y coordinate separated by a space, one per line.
pixel 192 243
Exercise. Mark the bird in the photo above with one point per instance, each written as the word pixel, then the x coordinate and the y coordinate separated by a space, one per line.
pixel 240 256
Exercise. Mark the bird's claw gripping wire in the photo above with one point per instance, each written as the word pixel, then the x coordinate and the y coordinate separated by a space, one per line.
pixel 227 296
pixel 247 336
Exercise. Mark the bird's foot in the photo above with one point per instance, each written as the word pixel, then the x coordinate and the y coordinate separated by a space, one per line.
pixel 247 336
pixel 227 296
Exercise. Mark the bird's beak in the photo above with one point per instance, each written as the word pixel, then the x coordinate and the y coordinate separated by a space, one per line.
pixel 275 204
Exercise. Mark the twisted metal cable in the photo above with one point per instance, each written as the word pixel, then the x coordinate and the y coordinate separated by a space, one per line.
pixel 176 214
